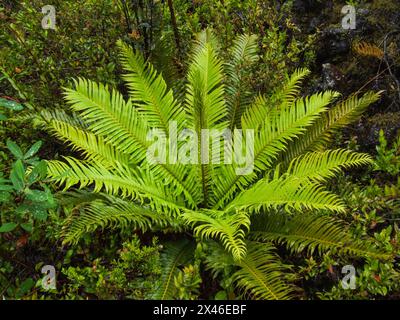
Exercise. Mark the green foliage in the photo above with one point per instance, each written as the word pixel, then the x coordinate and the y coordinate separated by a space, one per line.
pixel 33 58
pixel 131 275
pixel 28 209
pixel 283 45
pixel 388 159
pixel 10 105
pixel 174 255
pixel 312 233
pixel 224 235
pixel 24 198
pixel 188 283
pixel 262 274
pixel 210 200
pixel 374 210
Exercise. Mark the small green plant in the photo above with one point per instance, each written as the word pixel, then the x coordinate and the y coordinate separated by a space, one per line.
pixel 24 198
pixel 131 275
pixel 388 159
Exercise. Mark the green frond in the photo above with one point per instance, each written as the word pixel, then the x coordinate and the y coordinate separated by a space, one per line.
pixel 261 274
pixel 292 86
pixel 174 255
pixel 60 115
pixel 319 135
pixel 205 92
pixel 112 213
pixel 311 233
pixel 229 228
pixel 288 192
pixel 350 110
pixel 93 147
pixel 137 184
pixel 279 128
pixel 110 116
pixel 218 260
pixel 205 106
pixel 255 115
pixel 322 165
pixel 286 124
pixel 244 49
pixel 238 95
pixel 148 91
pixel 122 126
pixel 204 38
pixel 257 112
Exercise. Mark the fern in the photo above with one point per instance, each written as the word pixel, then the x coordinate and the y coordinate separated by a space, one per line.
pixel 368 50
pixel 209 200
pixel 262 273
pixel 312 233
pixel 229 228
pixel 112 213
pixel 174 255
pixel 243 54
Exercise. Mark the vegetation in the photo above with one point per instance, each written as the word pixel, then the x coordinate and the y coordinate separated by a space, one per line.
pixel 279 178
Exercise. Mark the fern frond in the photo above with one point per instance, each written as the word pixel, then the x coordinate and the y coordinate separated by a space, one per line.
pixel 203 39
pixel 279 128
pixel 319 166
pixel 93 147
pixel 230 228
pixel 148 91
pixel 319 135
pixel 256 114
pixel 311 233
pixel 292 86
pixel 108 115
pixel 174 255
pixel 60 115
pixel 205 106
pixel 238 94
pixel 122 126
pixel 137 184
pixel 218 260
pixel 112 213
pixel 288 192
pixel 261 274
pixel 368 50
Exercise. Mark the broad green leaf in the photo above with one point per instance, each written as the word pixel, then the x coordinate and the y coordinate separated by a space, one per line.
pixel 17 175
pixel 33 150
pixel 7 227
pixel 2 117
pixel 15 149
pixel 10 104
pixel 28 227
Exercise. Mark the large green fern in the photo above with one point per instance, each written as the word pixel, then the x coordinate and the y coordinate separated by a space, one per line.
pixel 207 199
